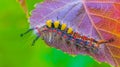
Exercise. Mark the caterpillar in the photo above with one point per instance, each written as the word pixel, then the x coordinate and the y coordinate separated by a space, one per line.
pixel 53 32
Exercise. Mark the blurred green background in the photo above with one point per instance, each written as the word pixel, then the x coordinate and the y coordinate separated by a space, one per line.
pixel 16 51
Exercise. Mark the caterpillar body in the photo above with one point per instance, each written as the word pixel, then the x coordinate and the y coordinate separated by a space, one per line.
pixel 60 36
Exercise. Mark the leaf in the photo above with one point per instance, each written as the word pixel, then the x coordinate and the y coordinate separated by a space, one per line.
pixel 99 19
pixel 24 6
pixel 28 5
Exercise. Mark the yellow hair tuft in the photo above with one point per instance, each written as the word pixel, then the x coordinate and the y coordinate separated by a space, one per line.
pixel 69 30
pixel 56 24
pixel 63 26
pixel 49 23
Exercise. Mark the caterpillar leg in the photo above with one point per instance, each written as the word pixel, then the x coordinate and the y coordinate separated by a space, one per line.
pixel 26 32
pixel 35 40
